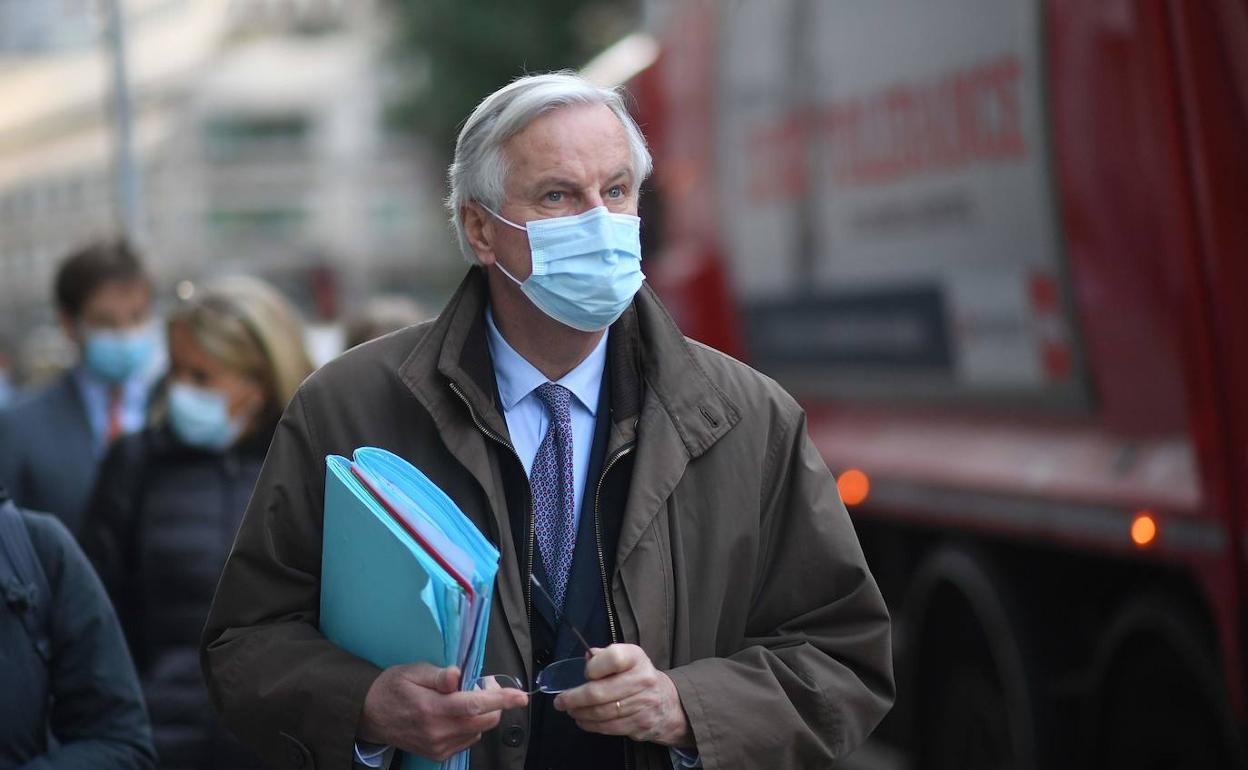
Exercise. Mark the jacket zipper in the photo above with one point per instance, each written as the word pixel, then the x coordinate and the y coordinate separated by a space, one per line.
pixel 602 562
pixel 528 590
pixel 602 565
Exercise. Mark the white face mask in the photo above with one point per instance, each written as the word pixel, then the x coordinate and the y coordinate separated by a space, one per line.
pixel 586 268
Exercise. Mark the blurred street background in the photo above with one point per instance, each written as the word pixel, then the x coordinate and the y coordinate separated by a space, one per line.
pixel 997 248
pixel 304 142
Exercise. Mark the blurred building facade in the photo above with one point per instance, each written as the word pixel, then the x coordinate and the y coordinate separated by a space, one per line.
pixel 260 139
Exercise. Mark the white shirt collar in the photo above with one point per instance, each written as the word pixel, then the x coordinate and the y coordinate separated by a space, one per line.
pixel 518 378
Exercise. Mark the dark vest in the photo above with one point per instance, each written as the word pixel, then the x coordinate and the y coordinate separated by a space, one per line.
pixel 556 741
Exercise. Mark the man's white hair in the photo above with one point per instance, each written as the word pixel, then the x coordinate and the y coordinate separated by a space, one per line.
pixel 479 170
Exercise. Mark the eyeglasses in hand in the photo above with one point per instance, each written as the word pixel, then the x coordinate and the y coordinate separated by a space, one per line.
pixel 553 679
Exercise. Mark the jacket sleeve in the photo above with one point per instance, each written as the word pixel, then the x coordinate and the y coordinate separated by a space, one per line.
pixel 98 717
pixel 817 657
pixel 291 694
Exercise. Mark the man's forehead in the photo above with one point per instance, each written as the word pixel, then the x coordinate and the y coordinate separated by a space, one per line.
pixel 572 140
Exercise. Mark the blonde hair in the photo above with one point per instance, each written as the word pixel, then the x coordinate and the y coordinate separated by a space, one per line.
pixel 251 328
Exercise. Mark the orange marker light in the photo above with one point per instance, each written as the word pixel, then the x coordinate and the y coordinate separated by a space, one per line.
pixel 1143 529
pixel 853 486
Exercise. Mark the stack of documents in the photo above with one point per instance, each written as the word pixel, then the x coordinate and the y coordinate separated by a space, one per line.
pixel 406 577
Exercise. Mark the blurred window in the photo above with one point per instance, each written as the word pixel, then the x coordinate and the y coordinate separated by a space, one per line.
pixel 246 137
pixel 260 222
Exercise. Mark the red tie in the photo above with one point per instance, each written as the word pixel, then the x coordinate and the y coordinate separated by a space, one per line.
pixel 113 431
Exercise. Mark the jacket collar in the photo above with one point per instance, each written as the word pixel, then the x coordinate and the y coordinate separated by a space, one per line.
pixel 657 390
pixel 646 353
pixel 700 411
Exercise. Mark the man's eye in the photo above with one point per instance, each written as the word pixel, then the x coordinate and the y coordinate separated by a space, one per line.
pixel 616 192
pixel 554 196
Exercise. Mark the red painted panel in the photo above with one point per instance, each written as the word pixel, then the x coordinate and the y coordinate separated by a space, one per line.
pixel 1211 51
pixel 1122 192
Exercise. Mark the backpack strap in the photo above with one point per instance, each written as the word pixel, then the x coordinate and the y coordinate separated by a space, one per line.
pixel 22 580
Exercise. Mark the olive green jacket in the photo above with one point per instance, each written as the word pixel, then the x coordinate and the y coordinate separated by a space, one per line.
pixel 737 568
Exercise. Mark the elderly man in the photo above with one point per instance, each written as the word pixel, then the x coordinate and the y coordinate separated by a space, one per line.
pixel 667 496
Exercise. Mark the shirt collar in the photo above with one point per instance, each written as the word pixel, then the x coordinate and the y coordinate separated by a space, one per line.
pixel 518 378
pixel 134 390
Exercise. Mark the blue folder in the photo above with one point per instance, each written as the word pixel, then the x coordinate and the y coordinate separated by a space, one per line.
pixel 406 577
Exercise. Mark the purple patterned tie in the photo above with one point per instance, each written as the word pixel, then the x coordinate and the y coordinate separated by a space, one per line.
pixel 553 493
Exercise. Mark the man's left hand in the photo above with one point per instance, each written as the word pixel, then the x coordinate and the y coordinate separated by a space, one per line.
pixel 627 695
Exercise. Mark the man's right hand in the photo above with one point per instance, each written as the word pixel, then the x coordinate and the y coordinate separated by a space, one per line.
pixel 419 709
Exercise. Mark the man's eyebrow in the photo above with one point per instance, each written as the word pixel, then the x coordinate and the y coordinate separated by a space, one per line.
pixel 624 173
pixel 553 181
pixel 563 182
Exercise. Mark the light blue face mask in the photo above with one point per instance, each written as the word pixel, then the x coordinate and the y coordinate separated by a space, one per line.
pixel 116 356
pixel 201 417
pixel 586 268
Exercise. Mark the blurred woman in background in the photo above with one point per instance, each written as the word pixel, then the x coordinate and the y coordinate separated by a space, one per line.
pixel 168 500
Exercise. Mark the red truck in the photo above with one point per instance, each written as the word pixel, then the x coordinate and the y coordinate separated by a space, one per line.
pixel 999 250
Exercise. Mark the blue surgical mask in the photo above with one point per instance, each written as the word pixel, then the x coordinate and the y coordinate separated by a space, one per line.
pixel 116 356
pixel 586 268
pixel 200 417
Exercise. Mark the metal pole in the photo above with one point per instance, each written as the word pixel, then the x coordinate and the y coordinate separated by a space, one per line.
pixel 129 193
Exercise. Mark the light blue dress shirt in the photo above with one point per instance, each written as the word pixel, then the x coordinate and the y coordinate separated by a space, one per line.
pixel 527 417
pixel 96 396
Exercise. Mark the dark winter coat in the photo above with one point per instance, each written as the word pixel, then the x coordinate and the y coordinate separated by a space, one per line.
pixel 158 528
pixel 82 707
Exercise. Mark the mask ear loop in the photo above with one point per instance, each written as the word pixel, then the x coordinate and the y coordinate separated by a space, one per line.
pixel 505 221
pixel 503 270
pixel 501 218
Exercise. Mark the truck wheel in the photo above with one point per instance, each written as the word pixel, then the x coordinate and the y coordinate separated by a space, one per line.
pixel 1161 698
pixel 970 670
pixel 969 727
pixel 1155 716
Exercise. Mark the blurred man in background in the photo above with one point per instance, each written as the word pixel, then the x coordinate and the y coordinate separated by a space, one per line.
pixel 51 442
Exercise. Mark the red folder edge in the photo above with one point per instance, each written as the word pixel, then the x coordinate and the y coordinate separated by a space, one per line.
pixel 402 522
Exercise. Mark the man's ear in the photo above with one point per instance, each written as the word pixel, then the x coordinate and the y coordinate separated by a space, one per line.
pixel 479 232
